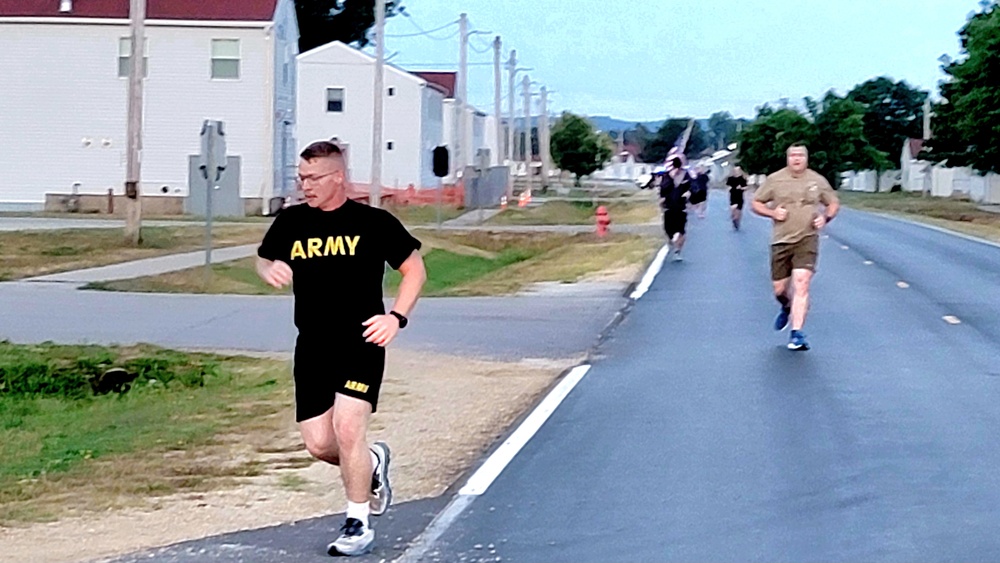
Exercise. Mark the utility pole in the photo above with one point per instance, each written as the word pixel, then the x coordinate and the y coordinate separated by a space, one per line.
pixel 460 93
pixel 133 172
pixel 511 71
pixel 526 85
pixel 543 137
pixel 496 98
pixel 375 190
pixel 927 119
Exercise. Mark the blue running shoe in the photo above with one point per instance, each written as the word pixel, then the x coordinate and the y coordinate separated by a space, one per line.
pixel 781 321
pixel 797 341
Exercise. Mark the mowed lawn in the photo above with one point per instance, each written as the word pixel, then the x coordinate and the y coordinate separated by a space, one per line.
pixel 473 263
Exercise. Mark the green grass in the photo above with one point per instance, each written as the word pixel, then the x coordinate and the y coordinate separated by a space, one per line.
pixel 423 214
pixel 51 441
pixel 576 213
pixel 957 214
pixel 32 253
pixel 236 277
pixel 448 270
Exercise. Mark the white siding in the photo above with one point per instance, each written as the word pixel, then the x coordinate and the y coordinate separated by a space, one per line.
pixel 338 66
pixel 62 86
pixel 432 135
pixel 475 133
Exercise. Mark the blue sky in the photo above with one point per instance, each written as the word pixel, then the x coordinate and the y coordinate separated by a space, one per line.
pixel 649 59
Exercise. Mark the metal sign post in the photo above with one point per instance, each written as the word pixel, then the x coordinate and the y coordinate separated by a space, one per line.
pixel 440 165
pixel 213 162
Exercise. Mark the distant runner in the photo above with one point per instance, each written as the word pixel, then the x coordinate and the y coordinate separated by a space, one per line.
pixel 737 184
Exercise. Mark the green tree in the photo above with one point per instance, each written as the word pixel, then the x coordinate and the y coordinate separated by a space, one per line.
pixel 348 21
pixel 668 133
pixel 841 143
pixel 721 129
pixel 638 136
pixel 577 147
pixel 832 129
pixel 763 142
pixel 966 123
pixel 893 112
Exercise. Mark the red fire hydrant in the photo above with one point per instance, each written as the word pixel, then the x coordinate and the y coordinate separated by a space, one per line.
pixel 603 221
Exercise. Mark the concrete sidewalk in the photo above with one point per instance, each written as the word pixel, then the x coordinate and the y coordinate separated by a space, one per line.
pixel 146 266
pixel 9 224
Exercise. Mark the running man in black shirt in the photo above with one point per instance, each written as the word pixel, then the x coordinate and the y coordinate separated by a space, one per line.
pixel 737 183
pixel 675 189
pixel 335 251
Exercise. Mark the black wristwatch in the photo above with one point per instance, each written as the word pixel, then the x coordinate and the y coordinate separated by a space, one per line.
pixel 402 320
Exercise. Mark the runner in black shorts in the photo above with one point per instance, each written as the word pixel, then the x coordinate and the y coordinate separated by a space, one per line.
pixel 675 189
pixel 335 250
pixel 699 191
pixel 737 183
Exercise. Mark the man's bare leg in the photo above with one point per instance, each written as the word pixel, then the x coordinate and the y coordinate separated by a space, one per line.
pixel 800 303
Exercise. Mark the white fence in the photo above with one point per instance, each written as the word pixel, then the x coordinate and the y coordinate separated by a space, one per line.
pixel 935 180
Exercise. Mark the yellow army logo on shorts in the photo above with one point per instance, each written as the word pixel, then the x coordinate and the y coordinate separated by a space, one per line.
pixel 334 246
pixel 355 386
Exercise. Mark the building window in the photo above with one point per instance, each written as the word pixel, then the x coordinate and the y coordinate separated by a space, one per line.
pixel 226 58
pixel 335 100
pixel 392 91
pixel 125 57
pixel 388 145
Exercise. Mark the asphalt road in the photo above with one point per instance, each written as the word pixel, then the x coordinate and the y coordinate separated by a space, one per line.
pixel 556 323
pixel 700 437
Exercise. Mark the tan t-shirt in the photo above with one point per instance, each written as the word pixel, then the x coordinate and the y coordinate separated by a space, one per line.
pixel 801 196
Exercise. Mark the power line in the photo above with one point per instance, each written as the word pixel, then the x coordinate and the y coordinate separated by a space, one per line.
pixel 480 51
pixel 414 65
pixel 424 32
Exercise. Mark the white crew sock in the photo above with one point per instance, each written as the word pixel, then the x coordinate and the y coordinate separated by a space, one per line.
pixel 358 510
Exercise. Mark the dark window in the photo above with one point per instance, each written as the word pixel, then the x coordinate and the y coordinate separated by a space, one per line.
pixel 335 100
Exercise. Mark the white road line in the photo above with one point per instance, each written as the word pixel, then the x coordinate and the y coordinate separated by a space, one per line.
pixel 952 320
pixel 844 247
pixel 902 285
pixel 494 465
pixel 488 472
pixel 650 275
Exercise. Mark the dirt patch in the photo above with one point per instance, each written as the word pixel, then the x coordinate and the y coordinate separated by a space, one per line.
pixel 439 413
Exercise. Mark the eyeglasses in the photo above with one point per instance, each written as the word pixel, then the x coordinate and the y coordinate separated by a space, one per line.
pixel 302 180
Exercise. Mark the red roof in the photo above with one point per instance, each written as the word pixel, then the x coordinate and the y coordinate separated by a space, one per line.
pixel 226 10
pixel 445 80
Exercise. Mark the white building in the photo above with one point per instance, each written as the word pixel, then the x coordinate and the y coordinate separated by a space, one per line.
pixel 335 102
pixel 63 102
pixel 916 174
pixel 623 168
pixel 480 128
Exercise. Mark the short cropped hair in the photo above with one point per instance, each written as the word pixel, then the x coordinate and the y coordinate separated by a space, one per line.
pixel 321 149
pixel 798 146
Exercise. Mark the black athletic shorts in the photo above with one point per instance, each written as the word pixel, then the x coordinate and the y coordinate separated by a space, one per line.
pixel 698 197
pixel 674 222
pixel 736 198
pixel 328 364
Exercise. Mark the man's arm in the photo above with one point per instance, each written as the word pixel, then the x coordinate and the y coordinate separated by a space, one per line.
pixel 764 210
pixel 414 276
pixel 275 272
pixel 382 329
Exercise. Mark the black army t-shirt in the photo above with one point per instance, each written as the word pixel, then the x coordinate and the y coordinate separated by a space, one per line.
pixel 337 258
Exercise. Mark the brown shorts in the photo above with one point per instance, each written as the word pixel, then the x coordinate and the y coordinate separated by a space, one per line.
pixel 801 255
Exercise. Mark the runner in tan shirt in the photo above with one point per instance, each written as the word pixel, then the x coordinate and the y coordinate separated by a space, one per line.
pixel 800 202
